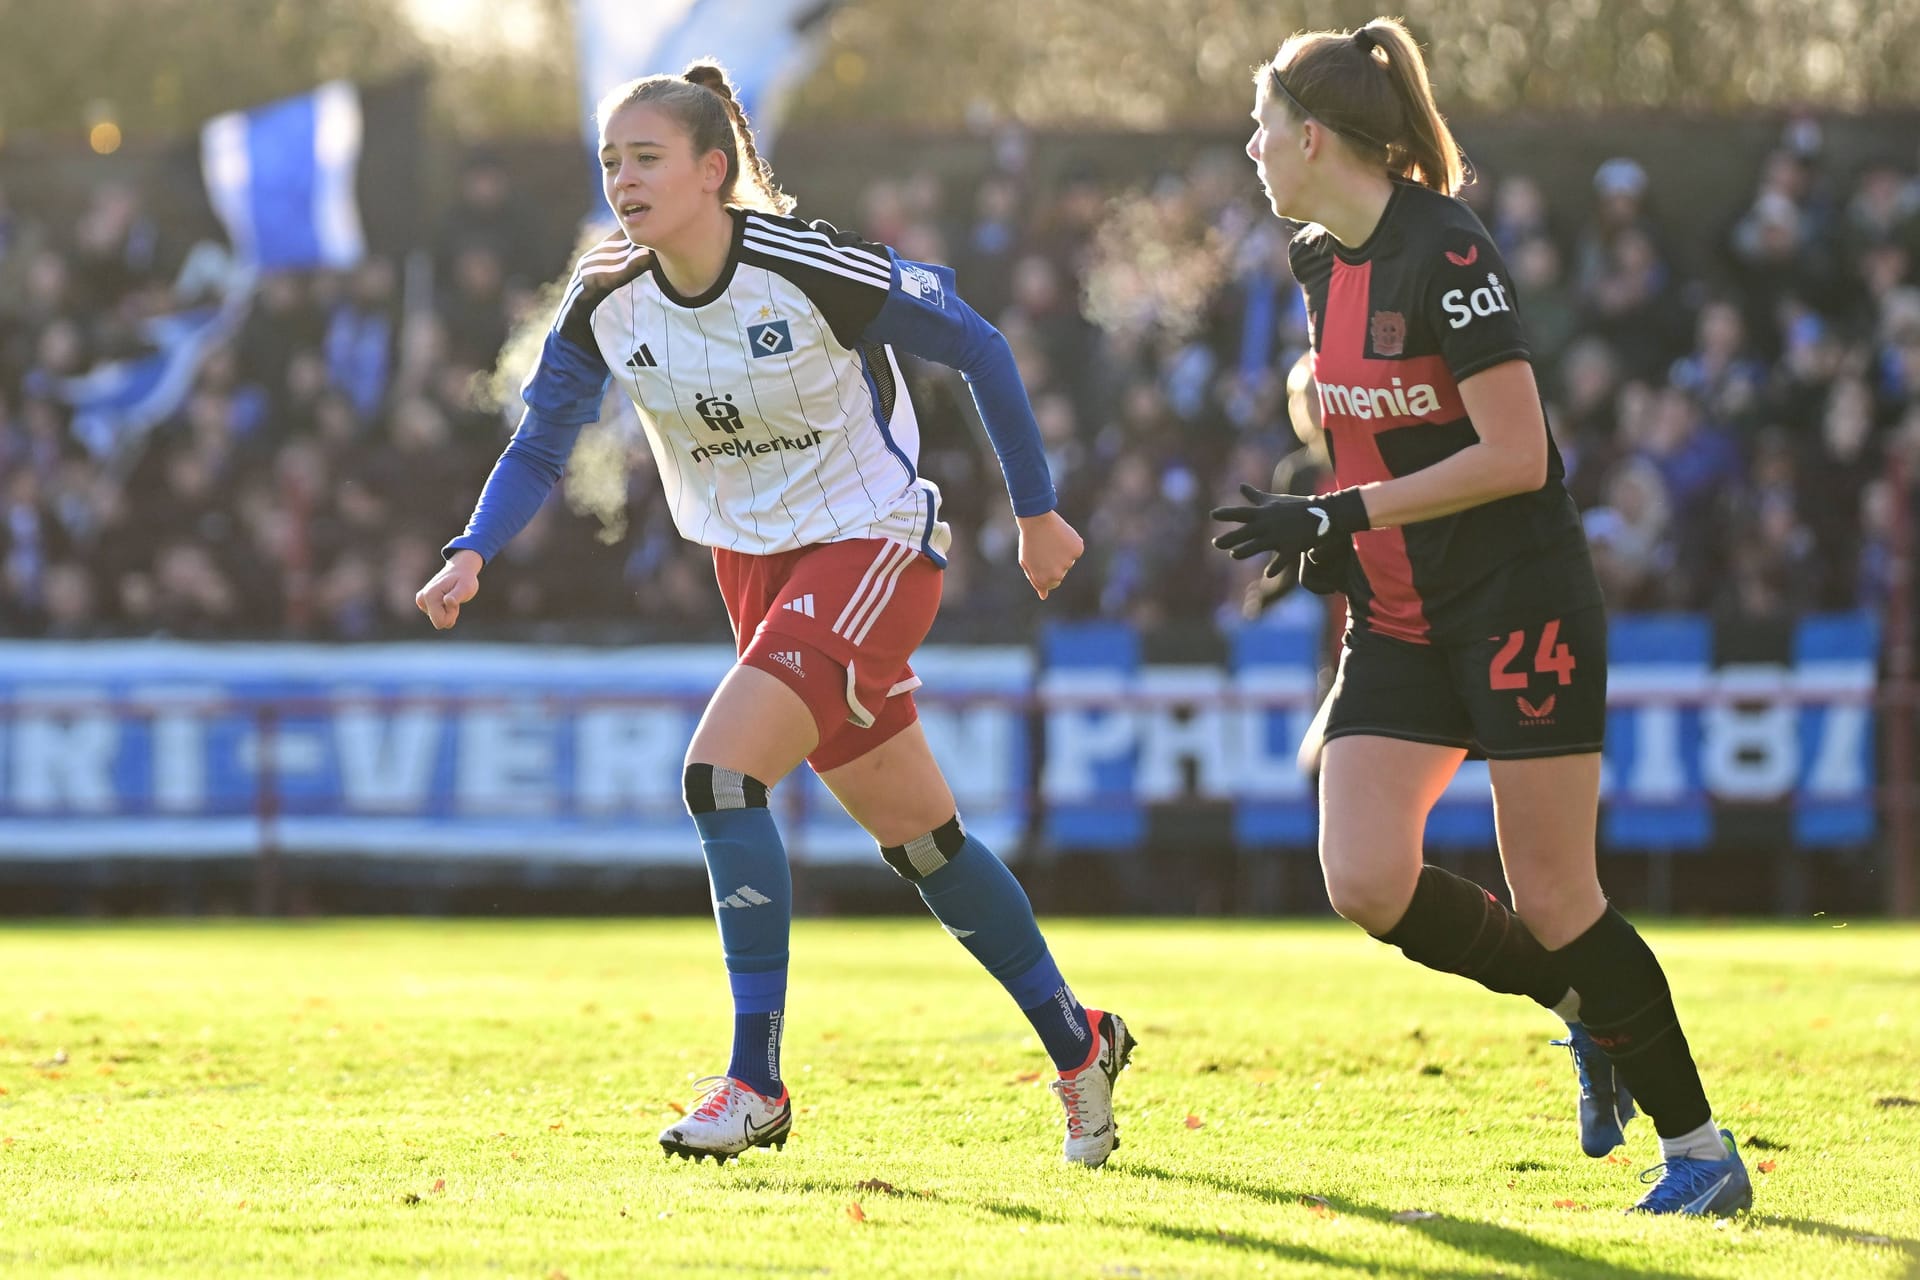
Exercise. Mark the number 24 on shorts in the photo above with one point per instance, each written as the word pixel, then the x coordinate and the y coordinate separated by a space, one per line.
pixel 1548 656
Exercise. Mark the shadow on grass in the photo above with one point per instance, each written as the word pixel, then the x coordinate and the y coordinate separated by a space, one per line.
pixel 1496 1244
pixel 1284 1251
pixel 1833 1231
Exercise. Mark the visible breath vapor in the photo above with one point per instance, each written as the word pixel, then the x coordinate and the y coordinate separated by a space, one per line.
pixel 596 480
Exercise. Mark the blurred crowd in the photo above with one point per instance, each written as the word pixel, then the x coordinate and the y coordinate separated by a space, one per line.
pixel 1725 423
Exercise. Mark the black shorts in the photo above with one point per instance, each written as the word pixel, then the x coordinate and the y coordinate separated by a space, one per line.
pixel 1537 691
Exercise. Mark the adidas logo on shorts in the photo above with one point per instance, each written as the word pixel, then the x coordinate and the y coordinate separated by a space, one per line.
pixel 800 604
pixel 788 658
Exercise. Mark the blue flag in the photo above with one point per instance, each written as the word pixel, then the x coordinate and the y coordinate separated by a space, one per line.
pixel 117 401
pixel 282 178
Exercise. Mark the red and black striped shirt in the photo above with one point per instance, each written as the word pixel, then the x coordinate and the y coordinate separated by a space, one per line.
pixel 1397 323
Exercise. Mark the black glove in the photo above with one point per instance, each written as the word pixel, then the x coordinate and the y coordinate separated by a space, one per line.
pixel 1323 569
pixel 1288 526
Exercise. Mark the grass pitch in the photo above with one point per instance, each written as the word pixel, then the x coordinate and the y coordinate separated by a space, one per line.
pixel 457 1099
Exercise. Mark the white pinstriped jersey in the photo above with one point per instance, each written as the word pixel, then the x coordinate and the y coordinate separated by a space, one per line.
pixel 772 424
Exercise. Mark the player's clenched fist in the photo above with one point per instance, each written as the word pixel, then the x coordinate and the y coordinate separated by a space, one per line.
pixel 457 582
pixel 1048 548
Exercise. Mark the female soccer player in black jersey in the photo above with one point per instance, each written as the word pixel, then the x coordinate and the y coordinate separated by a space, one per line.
pixel 758 349
pixel 1476 619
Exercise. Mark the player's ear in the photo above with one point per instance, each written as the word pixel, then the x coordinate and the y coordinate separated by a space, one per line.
pixel 713 171
pixel 1313 136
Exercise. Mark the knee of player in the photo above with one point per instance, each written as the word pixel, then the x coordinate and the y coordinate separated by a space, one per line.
pixel 1367 897
pixel 1557 908
pixel 709 788
pixel 923 855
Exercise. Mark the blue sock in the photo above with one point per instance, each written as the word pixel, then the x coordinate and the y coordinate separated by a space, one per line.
pixel 753 905
pixel 973 894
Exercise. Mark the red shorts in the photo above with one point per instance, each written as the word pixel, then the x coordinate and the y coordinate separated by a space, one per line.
pixel 836 623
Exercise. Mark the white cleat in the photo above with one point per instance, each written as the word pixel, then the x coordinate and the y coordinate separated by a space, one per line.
pixel 1087 1093
pixel 730 1118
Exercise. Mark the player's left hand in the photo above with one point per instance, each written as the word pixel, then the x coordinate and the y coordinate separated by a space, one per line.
pixel 1048 548
pixel 1288 526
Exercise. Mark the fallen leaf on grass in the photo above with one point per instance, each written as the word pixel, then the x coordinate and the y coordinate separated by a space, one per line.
pixel 1618 1160
pixel 552 1127
pixel 1568 1204
pixel 1195 1122
pixel 1319 1206
pixel 1765 1166
pixel 439 1186
pixel 1414 1215
pixel 1895 1101
pixel 875 1184
pixel 855 1212
pixel 677 1108
pixel 1026 1077
pixel 6 1142
pixel 556 1274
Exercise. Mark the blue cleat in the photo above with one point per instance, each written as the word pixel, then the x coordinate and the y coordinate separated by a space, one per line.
pixel 1605 1104
pixel 1699 1188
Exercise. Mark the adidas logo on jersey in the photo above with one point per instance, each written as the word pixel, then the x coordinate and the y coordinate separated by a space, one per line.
pixel 801 604
pixel 642 359
pixel 788 658
pixel 745 896
pixel 1396 401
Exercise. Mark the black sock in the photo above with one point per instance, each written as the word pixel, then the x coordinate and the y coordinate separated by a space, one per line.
pixel 1628 1009
pixel 1455 926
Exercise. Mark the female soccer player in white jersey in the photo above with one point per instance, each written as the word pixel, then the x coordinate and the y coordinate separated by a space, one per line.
pixel 1475 617
pixel 757 348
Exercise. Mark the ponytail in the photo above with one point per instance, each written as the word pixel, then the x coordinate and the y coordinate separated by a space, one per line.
pixel 756 188
pixel 1370 87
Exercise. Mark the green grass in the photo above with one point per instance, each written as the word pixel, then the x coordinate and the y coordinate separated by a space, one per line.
pixel 457 1099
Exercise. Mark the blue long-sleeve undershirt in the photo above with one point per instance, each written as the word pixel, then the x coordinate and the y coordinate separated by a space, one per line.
pixel 563 394
pixel 956 335
pixel 533 462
